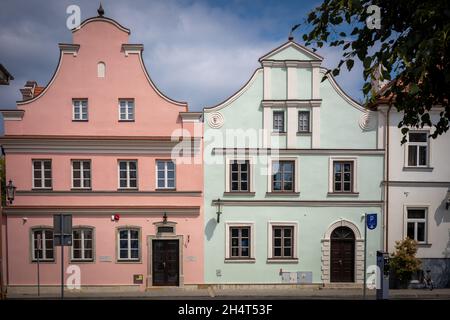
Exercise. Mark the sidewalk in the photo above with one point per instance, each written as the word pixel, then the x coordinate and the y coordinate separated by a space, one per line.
pixel 270 294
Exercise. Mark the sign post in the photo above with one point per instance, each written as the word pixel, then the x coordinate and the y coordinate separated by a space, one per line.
pixel 370 221
pixel 62 224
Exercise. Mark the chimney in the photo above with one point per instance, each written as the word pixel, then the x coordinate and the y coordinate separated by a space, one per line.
pixel 28 90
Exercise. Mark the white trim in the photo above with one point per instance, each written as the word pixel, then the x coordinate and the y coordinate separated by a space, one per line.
pixel 80 101
pixel 251 174
pixel 270 225
pixel 42 170
pixel 292 124
pixel 292 88
pixel 354 175
pixel 315 128
pixel 295 45
pixel 81 173
pixel 103 19
pixel 296 172
pixel 166 179
pixel 418 144
pixel 236 95
pixel 43 243
pixel 315 84
pixel 127 109
pixel 267 80
pixel 252 245
pixel 82 229
pixel 419 206
pixel 128 174
pixel 101 70
pixel 128 229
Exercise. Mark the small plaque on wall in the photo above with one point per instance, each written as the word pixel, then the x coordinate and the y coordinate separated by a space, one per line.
pixel 138 278
pixel 105 259
pixel 191 258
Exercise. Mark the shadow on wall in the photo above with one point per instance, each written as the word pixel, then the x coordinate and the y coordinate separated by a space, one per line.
pixel 210 227
pixel 442 214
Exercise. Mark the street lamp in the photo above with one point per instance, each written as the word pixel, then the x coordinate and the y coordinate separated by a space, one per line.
pixel 219 212
pixel 10 192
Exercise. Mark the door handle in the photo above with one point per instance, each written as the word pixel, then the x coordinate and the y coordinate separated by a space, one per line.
pixel 340 262
pixel 164 265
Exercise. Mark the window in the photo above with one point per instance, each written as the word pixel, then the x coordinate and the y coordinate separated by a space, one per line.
pixel 126 110
pixel 101 70
pixel 343 176
pixel 303 121
pixel 239 242
pixel 42 174
pixel 82 245
pixel 166 174
pixel 418 149
pixel 416 224
pixel 127 174
pixel 282 242
pixel 278 121
pixel 81 174
pixel 283 176
pixel 128 245
pixel 80 110
pixel 240 174
pixel 42 244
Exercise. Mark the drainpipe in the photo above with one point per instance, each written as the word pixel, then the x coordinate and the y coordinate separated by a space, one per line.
pixel 386 244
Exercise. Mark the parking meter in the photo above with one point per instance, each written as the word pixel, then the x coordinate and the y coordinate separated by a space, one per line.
pixel 383 277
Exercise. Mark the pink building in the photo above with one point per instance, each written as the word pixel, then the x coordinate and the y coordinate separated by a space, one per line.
pixel 98 142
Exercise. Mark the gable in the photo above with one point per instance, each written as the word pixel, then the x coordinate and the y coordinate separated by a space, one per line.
pixel 291 51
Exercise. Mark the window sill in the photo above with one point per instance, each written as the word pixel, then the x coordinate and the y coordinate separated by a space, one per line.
pixel 282 193
pixel 304 133
pixel 41 189
pixel 80 120
pixel 166 189
pixel 418 169
pixel 127 189
pixel 278 133
pixel 129 261
pixel 81 189
pixel 74 261
pixel 273 260
pixel 343 194
pixel 237 193
pixel 230 260
pixel 424 245
pixel 43 261
pixel 126 120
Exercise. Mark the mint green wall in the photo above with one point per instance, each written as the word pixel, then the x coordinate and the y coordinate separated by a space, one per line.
pixel 339 129
pixel 304 81
pixel 279 79
pixel 290 54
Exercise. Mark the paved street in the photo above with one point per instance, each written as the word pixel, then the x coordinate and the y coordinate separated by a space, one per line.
pixel 229 294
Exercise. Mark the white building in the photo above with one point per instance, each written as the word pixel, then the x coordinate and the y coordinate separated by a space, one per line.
pixel 417 191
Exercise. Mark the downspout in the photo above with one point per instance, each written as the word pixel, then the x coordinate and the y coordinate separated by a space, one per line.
pixel 386 244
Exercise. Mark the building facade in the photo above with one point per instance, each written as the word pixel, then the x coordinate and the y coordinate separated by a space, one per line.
pixel 292 164
pixel 417 186
pixel 102 143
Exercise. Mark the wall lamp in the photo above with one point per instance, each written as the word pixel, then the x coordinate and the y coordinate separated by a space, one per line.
pixel 219 209
pixel 10 192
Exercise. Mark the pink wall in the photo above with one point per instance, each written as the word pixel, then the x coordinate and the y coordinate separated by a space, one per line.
pixel 50 114
pixel 23 272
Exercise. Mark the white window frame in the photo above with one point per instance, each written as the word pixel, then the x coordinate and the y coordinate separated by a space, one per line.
pixel 418 144
pixel 78 116
pixel 270 257
pixel 42 173
pixel 101 69
pixel 425 220
pixel 43 243
pixel 82 178
pixel 331 175
pixel 129 229
pixel 309 121
pixel 296 174
pixel 228 161
pixel 166 179
pixel 127 110
pixel 82 229
pixel 284 121
pixel 128 174
pixel 238 224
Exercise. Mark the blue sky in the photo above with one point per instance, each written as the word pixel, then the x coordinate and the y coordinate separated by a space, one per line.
pixel 196 51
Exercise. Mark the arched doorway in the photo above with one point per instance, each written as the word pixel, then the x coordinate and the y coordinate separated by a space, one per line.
pixel 342 255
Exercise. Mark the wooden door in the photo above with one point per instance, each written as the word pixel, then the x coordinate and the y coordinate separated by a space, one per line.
pixel 165 263
pixel 342 255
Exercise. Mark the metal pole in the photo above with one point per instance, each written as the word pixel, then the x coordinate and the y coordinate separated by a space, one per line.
pixel 365 255
pixel 62 257
pixel 38 273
